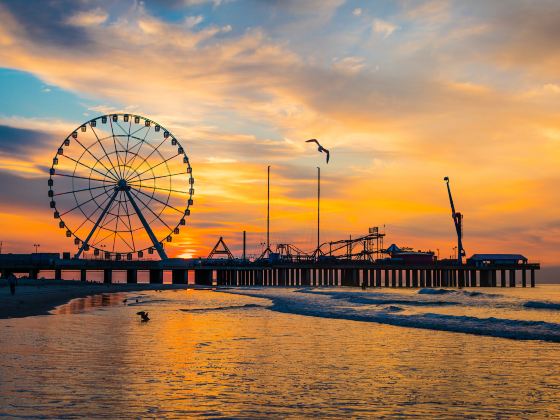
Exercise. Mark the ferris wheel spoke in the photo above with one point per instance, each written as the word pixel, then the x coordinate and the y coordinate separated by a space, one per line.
pixel 116 151
pixel 113 171
pixel 104 237
pixel 154 167
pixel 127 144
pixel 159 188
pixel 161 176
pixel 147 227
pixel 131 160
pixel 125 241
pixel 117 222
pixel 125 150
pixel 121 127
pixel 75 191
pixel 84 203
pixel 132 155
pixel 84 165
pixel 118 232
pixel 103 226
pixel 158 200
pixel 83 177
pixel 101 216
pixel 140 129
pixel 107 220
pixel 95 158
pixel 88 218
pixel 129 224
pixel 138 151
pixel 151 211
pixel 144 160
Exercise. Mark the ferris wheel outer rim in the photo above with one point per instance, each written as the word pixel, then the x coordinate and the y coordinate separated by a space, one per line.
pixel 189 173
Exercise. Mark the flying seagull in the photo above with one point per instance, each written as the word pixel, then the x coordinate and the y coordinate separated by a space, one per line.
pixel 320 148
pixel 143 315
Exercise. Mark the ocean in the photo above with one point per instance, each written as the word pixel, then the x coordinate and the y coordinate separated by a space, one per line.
pixel 288 353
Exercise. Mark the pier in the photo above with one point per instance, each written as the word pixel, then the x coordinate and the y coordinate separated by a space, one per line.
pixel 282 274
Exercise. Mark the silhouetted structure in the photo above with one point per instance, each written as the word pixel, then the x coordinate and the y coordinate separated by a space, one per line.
pixel 221 249
pixel 458 222
pixel 326 272
pixel 122 185
pixel 266 253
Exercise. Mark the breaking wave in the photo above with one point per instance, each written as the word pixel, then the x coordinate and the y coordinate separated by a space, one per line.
pixel 434 291
pixel 535 304
pixel 223 308
pixel 456 292
pixel 328 305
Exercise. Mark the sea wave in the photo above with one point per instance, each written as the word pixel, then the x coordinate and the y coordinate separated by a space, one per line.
pixel 223 308
pixel 535 304
pixel 393 308
pixel 317 304
pixel 367 298
pixel 434 291
pixel 457 292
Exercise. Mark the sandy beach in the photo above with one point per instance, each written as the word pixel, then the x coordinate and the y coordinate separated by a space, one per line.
pixel 38 297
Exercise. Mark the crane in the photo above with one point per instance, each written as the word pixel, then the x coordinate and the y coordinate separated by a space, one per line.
pixel 458 221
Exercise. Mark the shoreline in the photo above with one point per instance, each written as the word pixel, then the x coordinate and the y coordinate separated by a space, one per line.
pixel 39 297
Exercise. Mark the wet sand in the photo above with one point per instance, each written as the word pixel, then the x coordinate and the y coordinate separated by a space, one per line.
pixel 38 297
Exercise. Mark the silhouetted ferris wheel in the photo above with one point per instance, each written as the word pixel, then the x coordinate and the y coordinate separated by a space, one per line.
pixel 121 185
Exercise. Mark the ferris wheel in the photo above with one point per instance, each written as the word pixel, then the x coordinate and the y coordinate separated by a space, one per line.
pixel 121 185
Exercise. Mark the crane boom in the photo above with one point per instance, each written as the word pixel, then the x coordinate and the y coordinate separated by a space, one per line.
pixel 450 196
pixel 458 222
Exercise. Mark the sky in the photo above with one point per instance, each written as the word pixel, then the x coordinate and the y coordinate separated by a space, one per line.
pixel 402 93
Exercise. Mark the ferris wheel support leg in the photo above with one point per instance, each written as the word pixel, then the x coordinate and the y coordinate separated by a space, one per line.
pixel 157 245
pixel 101 216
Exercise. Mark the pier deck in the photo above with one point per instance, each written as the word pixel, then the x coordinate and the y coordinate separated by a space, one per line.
pixel 262 273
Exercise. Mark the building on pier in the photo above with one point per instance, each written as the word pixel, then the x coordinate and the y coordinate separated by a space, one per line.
pixel 480 260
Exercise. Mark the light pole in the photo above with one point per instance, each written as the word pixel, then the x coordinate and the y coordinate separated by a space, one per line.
pixel 318 209
pixel 36 247
pixel 268 208
pixel 318 251
pixel 267 251
pixel 437 249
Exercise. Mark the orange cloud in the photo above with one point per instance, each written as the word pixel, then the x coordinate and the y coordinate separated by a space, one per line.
pixel 396 120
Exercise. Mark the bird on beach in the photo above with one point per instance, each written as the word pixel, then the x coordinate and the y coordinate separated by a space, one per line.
pixel 143 315
pixel 319 148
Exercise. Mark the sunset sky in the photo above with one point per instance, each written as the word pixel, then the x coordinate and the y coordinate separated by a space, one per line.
pixel 403 93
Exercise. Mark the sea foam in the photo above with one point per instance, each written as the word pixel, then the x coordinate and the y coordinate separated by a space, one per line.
pixel 352 306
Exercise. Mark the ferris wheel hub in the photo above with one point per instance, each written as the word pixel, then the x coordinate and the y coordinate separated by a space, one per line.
pixel 122 185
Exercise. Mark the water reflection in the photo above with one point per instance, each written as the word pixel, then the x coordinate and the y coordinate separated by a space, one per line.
pixel 252 362
pixel 79 305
